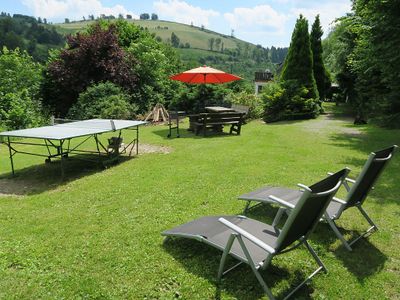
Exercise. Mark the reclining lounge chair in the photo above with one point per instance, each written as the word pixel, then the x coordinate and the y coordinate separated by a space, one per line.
pixel 256 243
pixel 356 195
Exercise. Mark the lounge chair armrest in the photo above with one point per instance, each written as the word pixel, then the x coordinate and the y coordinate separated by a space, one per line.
pixel 347 178
pixel 338 200
pixel 247 235
pixel 281 201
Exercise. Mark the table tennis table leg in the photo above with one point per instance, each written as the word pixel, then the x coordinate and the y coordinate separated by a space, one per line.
pixel 137 140
pixel 60 149
pixel 11 155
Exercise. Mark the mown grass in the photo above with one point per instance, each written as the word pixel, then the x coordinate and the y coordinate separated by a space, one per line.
pixel 97 234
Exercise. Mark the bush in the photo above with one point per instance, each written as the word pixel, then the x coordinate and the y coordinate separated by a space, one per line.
pixel 91 57
pixel 20 76
pixel 288 101
pixel 18 110
pixel 104 101
pixel 255 104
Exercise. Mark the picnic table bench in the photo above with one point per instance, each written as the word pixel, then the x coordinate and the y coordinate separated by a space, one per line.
pixel 216 121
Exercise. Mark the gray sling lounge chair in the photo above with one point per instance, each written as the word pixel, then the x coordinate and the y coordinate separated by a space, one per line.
pixel 256 243
pixel 356 195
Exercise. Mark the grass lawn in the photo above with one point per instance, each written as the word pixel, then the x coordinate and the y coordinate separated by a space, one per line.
pixel 97 234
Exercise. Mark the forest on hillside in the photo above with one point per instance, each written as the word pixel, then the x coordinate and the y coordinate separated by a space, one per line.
pixel 37 37
pixel 30 34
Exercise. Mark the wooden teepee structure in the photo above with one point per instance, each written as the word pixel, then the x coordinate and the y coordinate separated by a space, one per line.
pixel 158 114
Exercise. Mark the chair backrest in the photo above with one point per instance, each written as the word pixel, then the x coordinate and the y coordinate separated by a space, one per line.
pixel 369 175
pixel 310 208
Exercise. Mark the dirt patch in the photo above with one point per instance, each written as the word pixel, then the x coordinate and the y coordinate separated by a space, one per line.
pixel 147 148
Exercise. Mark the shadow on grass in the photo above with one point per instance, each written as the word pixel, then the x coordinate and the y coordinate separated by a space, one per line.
pixel 186 134
pixel 374 140
pixel 365 259
pixel 203 260
pixel 48 176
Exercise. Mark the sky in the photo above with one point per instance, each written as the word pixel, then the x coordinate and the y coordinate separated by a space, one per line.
pixel 268 23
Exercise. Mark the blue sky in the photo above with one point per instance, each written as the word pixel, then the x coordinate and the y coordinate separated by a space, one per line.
pixel 269 23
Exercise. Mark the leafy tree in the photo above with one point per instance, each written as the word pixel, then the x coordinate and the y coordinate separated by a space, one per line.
pixel 211 44
pixel 154 16
pixel 298 64
pixel 144 16
pixel 66 21
pixel 338 49
pixel 218 44
pixel 103 100
pixel 157 62
pixel 377 58
pixel 20 77
pixel 174 40
pixel 322 77
pixel 88 58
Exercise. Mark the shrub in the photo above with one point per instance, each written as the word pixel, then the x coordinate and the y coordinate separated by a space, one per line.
pixel 18 110
pixel 91 57
pixel 20 77
pixel 255 104
pixel 288 101
pixel 103 100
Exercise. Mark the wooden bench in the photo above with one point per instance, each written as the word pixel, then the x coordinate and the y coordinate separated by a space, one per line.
pixel 216 121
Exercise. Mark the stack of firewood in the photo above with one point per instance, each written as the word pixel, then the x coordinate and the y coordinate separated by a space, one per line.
pixel 158 114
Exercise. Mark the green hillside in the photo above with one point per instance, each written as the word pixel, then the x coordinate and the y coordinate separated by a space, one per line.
pixel 230 54
pixel 195 36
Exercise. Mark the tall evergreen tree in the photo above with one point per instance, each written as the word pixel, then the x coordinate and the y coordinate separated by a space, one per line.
pixel 298 64
pixel 322 76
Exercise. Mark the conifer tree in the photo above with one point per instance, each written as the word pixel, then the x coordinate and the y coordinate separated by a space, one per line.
pixel 298 65
pixel 322 76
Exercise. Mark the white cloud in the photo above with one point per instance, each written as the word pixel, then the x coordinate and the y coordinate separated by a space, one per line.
pixel 73 9
pixel 260 16
pixel 328 12
pixel 181 11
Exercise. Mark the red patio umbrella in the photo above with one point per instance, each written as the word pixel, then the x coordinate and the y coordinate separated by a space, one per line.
pixel 205 75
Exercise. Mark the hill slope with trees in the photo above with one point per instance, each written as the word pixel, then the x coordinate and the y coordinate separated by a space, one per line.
pixel 200 46
pixel 30 34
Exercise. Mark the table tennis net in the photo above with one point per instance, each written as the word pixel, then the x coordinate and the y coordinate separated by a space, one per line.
pixel 95 123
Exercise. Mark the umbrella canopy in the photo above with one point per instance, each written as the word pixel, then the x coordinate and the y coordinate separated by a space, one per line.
pixel 204 75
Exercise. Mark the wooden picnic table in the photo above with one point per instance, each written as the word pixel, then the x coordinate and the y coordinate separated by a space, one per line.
pixel 218 109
